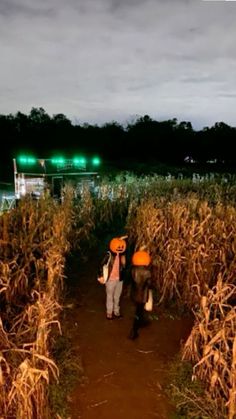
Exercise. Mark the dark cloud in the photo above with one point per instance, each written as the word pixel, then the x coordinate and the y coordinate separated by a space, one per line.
pixel 116 6
pixel 200 79
pixel 228 95
pixel 109 59
pixel 11 8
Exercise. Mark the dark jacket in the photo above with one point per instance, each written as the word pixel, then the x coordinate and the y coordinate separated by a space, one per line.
pixel 112 259
pixel 141 282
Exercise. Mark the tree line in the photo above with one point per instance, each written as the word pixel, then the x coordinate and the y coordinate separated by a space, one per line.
pixel 145 140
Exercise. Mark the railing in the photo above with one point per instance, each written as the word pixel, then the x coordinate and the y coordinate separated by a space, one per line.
pixel 7 203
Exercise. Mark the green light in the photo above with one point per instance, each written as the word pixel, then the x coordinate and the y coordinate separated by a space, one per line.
pixel 58 160
pixel 26 160
pixel 79 161
pixel 96 161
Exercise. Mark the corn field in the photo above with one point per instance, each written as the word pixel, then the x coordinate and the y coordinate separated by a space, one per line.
pixel 192 241
pixel 190 231
pixel 34 240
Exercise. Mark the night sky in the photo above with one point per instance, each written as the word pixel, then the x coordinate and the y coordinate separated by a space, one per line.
pixel 103 60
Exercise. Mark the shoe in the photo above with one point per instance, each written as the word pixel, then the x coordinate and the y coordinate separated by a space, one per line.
pixel 118 316
pixel 109 317
pixel 133 334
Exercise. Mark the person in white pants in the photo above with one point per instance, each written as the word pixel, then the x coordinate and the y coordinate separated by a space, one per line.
pixel 113 294
pixel 114 283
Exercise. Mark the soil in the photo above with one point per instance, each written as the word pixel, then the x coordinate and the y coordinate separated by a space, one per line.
pixel 122 378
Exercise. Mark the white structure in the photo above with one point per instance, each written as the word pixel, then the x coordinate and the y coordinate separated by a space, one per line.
pixel 36 176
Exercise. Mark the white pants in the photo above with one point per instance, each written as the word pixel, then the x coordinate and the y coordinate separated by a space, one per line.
pixel 113 292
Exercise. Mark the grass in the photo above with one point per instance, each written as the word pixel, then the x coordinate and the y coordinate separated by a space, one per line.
pixel 189 396
pixel 71 374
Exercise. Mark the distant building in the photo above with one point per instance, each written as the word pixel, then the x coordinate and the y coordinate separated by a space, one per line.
pixel 189 159
pixel 35 177
pixel 214 161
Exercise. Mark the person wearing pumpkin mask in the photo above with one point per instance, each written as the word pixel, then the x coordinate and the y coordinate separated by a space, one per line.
pixel 114 283
pixel 140 293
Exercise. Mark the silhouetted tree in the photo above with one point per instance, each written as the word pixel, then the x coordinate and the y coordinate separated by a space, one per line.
pixel 145 140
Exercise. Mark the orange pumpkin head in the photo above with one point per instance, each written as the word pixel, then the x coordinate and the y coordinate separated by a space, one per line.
pixel 117 245
pixel 141 258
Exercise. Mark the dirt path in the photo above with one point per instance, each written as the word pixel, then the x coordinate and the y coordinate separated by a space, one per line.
pixel 124 378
